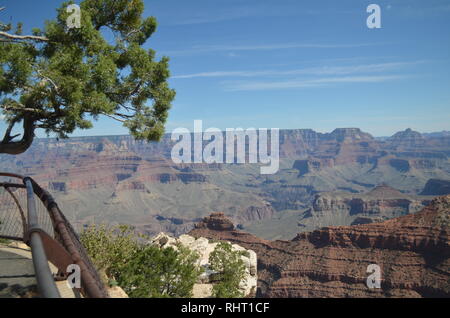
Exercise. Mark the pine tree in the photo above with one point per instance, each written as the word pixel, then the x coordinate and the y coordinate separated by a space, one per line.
pixel 59 76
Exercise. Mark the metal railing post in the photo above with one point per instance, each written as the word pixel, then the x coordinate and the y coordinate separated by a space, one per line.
pixel 45 281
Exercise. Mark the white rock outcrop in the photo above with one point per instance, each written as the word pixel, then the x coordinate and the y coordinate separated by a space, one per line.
pixel 204 248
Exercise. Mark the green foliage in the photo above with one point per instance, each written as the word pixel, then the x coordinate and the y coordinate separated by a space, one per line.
pixel 141 270
pixel 110 249
pixel 231 269
pixel 60 76
pixel 166 272
pixel 4 241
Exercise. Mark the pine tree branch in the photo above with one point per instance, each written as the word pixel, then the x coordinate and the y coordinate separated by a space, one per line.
pixel 22 37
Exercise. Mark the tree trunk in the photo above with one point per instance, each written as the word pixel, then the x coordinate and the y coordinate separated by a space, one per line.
pixel 18 147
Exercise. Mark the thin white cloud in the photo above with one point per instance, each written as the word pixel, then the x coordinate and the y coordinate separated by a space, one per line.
pixel 262 47
pixel 317 71
pixel 257 86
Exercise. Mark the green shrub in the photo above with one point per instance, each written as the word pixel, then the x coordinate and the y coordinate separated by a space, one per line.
pixel 4 241
pixel 231 271
pixel 141 270
pixel 110 249
pixel 156 272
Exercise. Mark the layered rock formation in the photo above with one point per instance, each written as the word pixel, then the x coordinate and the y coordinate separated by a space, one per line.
pixel 116 179
pixel 341 208
pixel 256 213
pixel 413 253
pixel 216 222
pixel 403 152
pixel 408 137
pixel 204 248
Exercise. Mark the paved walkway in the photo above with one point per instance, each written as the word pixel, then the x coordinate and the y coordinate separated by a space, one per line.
pixel 17 278
pixel 16 275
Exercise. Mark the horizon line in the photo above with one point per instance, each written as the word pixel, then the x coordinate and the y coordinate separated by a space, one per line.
pixel 280 129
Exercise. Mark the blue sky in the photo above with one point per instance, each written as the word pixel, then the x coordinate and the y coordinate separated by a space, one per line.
pixel 294 63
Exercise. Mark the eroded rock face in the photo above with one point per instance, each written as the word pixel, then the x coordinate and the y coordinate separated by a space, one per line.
pixel 204 248
pixel 381 203
pixel 256 213
pixel 216 221
pixel 412 251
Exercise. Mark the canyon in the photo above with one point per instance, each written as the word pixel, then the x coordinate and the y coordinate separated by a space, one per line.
pixel 412 251
pixel 340 202
pixel 343 177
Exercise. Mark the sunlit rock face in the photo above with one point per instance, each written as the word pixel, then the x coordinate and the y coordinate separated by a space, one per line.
pixel 333 261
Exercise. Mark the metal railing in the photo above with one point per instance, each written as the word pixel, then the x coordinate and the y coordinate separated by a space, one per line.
pixel 48 233
pixel 45 281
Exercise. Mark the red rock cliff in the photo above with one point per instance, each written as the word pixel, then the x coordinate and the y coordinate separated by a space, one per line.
pixel 413 253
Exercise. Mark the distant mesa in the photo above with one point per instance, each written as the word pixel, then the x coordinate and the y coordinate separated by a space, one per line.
pixel 217 222
pixel 342 134
pixel 407 137
pixel 407 133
